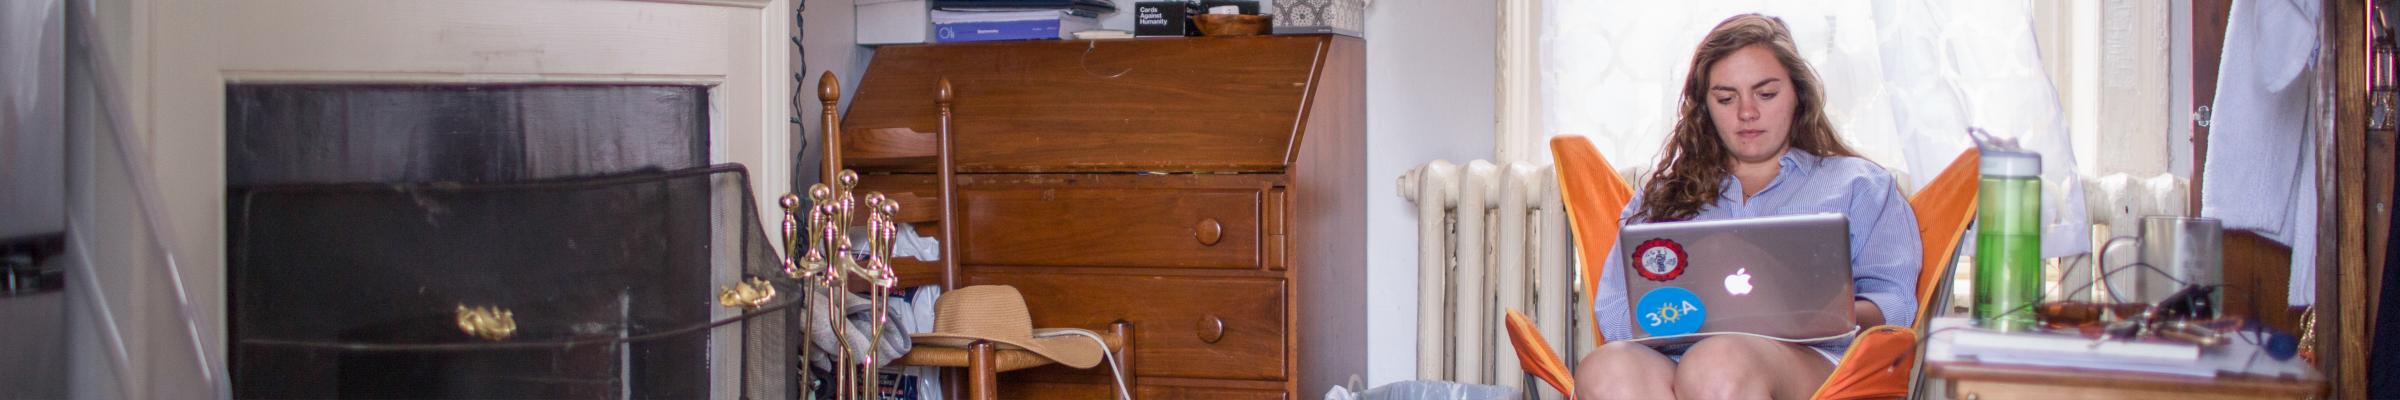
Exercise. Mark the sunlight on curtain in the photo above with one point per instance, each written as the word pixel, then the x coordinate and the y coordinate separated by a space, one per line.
pixel 1613 68
pixel 1904 79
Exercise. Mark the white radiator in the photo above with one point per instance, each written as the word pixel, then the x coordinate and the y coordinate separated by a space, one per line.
pixel 1490 238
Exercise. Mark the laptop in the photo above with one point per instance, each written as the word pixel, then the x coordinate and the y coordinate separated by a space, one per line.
pixel 1782 277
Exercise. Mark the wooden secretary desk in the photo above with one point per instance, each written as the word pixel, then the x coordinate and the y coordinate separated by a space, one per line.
pixel 1191 186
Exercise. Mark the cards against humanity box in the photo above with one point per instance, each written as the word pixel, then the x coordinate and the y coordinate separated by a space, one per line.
pixel 1164 18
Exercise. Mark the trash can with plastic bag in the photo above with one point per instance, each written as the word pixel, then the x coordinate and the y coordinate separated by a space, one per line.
pixel 1425 390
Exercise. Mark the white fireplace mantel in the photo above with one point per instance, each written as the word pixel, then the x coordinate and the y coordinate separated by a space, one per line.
pixel 174 57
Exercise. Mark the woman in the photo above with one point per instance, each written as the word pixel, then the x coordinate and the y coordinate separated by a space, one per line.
pixel 1752 140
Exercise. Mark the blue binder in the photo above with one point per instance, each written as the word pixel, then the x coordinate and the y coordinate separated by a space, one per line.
pixel 1029 29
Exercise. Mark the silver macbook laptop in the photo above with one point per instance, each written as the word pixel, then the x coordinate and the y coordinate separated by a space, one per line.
pixel 1782 277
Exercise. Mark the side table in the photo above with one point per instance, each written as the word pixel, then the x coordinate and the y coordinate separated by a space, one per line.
pixel 1969 380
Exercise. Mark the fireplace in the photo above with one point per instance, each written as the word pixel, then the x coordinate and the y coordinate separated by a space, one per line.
pixel 375 133
pixel 159 160
pixel 362 219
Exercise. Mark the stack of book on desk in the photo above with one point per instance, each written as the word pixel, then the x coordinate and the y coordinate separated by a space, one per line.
pixel 993 20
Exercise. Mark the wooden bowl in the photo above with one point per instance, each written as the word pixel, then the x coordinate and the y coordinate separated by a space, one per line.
pixel 1231 24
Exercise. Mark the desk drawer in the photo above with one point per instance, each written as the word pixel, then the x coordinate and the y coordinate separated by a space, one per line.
pixel 1184 327
pixel 1102 226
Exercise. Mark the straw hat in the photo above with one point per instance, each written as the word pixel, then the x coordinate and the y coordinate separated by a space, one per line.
pixel 997 313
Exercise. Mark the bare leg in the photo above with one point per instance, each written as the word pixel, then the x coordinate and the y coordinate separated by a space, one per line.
pixel 1623 370
pixel 1743 367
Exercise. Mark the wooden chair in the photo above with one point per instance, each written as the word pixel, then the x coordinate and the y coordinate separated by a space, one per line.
pixel 1881 361
pixel 983 361
pixel 899 146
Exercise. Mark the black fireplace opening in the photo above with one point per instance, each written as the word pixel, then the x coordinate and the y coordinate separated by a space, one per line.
pixel 362 217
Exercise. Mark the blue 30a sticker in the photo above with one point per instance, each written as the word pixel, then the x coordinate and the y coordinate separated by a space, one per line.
pixel 1669 311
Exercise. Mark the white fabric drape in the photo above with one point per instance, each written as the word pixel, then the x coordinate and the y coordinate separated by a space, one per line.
pixel 1904 80
pixel 2261 169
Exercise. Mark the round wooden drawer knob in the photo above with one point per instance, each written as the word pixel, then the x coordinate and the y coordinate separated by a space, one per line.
pixel 1208 231
pixel 1212 329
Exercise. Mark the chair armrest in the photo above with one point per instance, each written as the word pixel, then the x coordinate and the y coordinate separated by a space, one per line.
pixel 1534 353
pixel 1004 360
pixel 1876 366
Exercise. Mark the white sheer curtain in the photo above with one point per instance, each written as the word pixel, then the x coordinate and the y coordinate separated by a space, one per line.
pixel 1904 79
pixel 1612 68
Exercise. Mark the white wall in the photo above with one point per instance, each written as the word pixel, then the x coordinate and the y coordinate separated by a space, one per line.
pixel 831 36
pixel 1431 70
pixel 32 107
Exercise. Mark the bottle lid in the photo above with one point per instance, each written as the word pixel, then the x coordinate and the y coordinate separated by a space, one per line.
pixel 2011 164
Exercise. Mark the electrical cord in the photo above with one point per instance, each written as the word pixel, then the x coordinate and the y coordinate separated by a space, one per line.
pixel 2104 277
pixel 799 84
pixel 799 75
pixel 1114 368
pixel 2255 329
pixel 1673 340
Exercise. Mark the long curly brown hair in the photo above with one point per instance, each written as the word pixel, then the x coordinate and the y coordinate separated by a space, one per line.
pixel 1692 167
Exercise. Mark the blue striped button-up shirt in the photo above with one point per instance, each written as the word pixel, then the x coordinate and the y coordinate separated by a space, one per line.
pixel 1884 249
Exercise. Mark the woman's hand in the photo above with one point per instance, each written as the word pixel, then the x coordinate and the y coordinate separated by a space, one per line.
pixel 1867 312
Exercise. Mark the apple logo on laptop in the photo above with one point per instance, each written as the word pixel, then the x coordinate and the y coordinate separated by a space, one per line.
pixel 1738 283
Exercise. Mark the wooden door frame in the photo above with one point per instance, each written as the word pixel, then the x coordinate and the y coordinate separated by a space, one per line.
pixel 2345 217
pixel 2343 331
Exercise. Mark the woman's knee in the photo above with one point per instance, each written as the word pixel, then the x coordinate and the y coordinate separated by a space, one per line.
pixel 1725 367
pixel 1623 371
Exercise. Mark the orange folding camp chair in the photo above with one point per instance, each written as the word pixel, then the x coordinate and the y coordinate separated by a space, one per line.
pixel 1880 361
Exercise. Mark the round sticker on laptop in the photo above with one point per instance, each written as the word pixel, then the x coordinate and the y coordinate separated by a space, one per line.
pixel 1669 311
pixel 1659 259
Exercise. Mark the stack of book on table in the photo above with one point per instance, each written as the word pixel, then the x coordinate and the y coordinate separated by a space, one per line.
pixel 1956 339
pixel 994 20
pixel 2076 351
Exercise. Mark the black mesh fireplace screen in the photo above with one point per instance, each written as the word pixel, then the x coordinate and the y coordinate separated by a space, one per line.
pixel 357 290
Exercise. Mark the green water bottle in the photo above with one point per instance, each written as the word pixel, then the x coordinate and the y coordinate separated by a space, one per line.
pixel 2008 240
